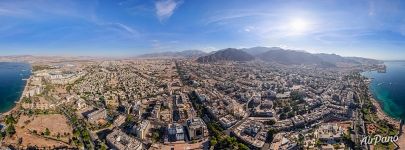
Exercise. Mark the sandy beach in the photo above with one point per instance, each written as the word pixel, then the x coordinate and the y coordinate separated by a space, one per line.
pixel 381 114
pixel 401 141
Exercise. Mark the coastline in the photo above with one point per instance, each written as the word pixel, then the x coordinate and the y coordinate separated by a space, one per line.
pixel 15 108
pixel 382 115
pixel 401 140
pixel 376 103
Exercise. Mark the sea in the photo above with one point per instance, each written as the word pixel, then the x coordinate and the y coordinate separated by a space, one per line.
pixel 12 82
pixel 389 88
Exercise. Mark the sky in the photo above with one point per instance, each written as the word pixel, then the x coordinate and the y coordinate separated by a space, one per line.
pixel 373 28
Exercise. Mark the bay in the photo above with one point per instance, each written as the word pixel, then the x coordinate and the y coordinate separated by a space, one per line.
pixel 12 83
pixel 389 88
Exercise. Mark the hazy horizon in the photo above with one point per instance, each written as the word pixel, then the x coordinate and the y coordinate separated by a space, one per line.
pixel 137 55
pixel 370 29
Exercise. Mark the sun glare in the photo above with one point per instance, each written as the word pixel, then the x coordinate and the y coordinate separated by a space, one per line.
pixel 298 25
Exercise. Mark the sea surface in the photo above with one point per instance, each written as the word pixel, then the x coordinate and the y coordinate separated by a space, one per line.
pixel 12 83
pixel 389 88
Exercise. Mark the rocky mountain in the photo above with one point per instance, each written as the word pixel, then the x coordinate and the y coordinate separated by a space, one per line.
pixel 333 58
pixel 286 57
pixel 365 60
pixel 259 50
pixel 182 54
pixel 291 57
pixel 230 54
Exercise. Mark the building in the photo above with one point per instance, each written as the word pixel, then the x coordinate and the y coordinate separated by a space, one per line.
pixel 142 129
pixel 96 115
pixel 227 121
pixel 155 113
pixel 112 102
pixel 264 112
pixel 118 140
pixel 120 120
pixel 252 130
pixel 32 91
pixel 329 133
pixel 81 103
pixel 176 132
pixel 196 129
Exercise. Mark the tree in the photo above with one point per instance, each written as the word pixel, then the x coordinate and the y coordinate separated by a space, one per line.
pixel 242 146
pixel 47 132
pixel 318 143
pixel 27 100
pixel 213 141
pixel 270 135
pixel 103 146
pixel 301 139
pixel 155 136
pixel 10 120
pixel 10 130
pixel 270 122
pixel 297 95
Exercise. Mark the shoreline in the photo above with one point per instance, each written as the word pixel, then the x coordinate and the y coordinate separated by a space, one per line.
pixel 384 116
pixel 15 108
pixel 376 103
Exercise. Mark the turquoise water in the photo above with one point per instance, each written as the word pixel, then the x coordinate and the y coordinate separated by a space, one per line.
pixel 389 88
pixel 12 83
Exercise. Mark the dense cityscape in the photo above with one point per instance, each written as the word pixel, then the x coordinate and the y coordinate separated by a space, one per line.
pixel 202 75
pixel 162 103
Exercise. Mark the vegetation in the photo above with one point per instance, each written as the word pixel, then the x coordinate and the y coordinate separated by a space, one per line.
pixel 81 135
pixel 270 135
pixel 10 121
pixel 10 130
pixel 297 95
pixel 47 132
pixel 40 67
pixel 157 134
pixel 26 100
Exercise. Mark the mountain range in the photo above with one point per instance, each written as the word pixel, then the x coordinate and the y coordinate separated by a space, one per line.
pixel 230 54
pixel 181 54
pixel 269 54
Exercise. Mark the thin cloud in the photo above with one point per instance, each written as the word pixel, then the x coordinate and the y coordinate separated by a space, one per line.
pixel 120 28
pixel 126 28
pixel 166 8
pixel 226 15
pixel 13 12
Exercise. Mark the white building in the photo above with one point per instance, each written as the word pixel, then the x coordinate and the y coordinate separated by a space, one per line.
pixel 118 140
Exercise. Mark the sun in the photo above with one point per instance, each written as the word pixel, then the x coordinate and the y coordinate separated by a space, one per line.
pixel 298 25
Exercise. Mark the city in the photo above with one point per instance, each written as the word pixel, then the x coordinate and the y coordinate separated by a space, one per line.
pixel 202 75
pixel 152 103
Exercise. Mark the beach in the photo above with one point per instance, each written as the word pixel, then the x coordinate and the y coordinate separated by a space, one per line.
pixel 382 115
pixel 401 141
pixel 16 107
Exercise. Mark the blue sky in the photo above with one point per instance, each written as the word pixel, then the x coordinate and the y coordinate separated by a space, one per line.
pixel 374 28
